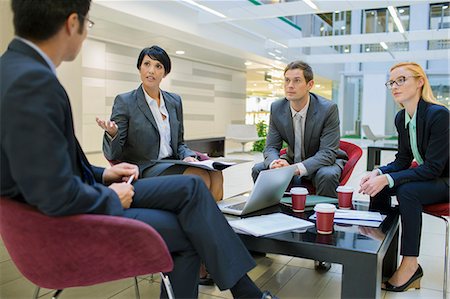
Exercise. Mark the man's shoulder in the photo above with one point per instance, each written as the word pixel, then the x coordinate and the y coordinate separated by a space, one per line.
pixel 321 100
pixel 280 103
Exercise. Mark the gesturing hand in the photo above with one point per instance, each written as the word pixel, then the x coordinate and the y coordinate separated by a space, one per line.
pixel 125 192
pixel 120 173
pixel 108 125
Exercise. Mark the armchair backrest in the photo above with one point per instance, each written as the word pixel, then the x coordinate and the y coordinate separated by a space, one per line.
pixel 354 153
pixel 79 250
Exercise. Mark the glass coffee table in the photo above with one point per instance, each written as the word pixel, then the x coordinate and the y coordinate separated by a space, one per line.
pixel 366 254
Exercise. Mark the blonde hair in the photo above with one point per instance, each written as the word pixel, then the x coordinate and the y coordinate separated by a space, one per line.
pixel 418 72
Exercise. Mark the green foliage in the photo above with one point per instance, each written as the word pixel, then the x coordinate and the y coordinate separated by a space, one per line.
pixel 261 128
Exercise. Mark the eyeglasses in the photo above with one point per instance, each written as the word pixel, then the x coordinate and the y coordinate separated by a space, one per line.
pixel 399 81
pixel 89 23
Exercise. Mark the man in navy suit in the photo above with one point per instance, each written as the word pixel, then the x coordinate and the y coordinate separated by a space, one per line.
pixel 43 165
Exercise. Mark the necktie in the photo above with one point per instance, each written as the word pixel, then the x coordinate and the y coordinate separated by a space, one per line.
pixel 298 133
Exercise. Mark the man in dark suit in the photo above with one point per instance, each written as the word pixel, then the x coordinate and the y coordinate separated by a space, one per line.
pixel 309 124
pixel 43 165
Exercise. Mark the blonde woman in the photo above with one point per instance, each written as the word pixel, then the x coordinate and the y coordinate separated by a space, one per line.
pixel 423 128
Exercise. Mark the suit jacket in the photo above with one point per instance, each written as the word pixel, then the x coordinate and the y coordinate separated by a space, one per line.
pixel 41 160
pixel 138 138
pixel 321 135
pixel 432 126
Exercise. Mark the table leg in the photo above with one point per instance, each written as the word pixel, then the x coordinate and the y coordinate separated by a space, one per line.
pixel 377 157
pixel 370 158
pixel 391 258
pixel 361 278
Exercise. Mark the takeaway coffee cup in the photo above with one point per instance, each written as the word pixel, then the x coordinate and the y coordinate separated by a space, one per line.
pixel 324 217
pixel 345 194
pixel 298 196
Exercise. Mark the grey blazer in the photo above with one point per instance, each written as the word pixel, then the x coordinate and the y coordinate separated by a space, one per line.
pixel 138 137
pixel 321 140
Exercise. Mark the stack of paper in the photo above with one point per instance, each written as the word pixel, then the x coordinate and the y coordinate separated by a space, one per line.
pixel 364 218
pixel 270 224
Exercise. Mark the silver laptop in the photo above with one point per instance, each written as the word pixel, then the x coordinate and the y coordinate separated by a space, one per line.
pixel 267 191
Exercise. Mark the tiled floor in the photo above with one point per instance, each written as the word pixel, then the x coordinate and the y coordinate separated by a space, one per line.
pixel 285 276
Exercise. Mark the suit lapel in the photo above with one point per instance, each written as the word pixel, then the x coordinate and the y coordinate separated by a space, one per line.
pixel 143 106
pixel 287 115
pixel 173 119
pixel 420 126
pixel 310 122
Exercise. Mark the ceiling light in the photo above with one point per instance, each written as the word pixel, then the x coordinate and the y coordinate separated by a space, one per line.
pixel 277 43
pixel 179 52
pixel 317 85
pixel 397 21
pixel 383 44
pixel 367 49
pixel 271 54
pixel 343 27
pixel 205 8
pixel 346 50
pixel 278 51
pixel 311 4
pixel 248 63
pixel 336 11
pixel 401 10
pixel 445 7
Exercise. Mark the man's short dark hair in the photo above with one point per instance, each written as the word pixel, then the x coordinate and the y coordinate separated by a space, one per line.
pixel 156 53
pixel 306 68
pixel 41 19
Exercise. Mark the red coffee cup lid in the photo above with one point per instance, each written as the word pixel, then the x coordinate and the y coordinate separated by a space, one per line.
pixel 345 189
pixel 299 191
pixel 325 208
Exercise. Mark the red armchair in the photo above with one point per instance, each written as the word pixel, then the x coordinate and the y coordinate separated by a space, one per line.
pixel 354 153
pixel 80 250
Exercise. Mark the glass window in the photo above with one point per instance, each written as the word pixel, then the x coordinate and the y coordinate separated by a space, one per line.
pixel 380 20
pixel 439 19
pixel 351 109
pixel 333 23
pixel 441 89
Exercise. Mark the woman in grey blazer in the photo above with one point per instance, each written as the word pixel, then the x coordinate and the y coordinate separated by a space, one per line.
pixel 147 125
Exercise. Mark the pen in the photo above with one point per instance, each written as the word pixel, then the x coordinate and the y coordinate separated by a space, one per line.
pixel 130 179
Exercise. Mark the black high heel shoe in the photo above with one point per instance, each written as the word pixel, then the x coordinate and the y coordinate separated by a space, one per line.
pixel 413 282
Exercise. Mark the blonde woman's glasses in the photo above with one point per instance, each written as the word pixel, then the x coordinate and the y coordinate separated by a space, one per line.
pixel 399 81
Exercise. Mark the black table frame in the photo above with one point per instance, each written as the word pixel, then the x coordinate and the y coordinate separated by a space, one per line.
pixel 362 272
pixel 374 154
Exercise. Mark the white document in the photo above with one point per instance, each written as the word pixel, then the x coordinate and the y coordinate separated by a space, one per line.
pixel 363 218
pixel 269 224
pixel 218 165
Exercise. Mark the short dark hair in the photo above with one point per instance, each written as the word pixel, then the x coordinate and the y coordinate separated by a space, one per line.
pixel 156 53
pixel 306 68
pixel 41 19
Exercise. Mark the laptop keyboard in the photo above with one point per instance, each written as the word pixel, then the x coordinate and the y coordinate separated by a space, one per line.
pixel 239 206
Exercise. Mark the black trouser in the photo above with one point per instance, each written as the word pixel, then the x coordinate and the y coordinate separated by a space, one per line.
pixel 411 197
pixel 182 210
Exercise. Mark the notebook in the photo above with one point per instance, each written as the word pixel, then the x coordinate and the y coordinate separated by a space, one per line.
pixel 267 191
